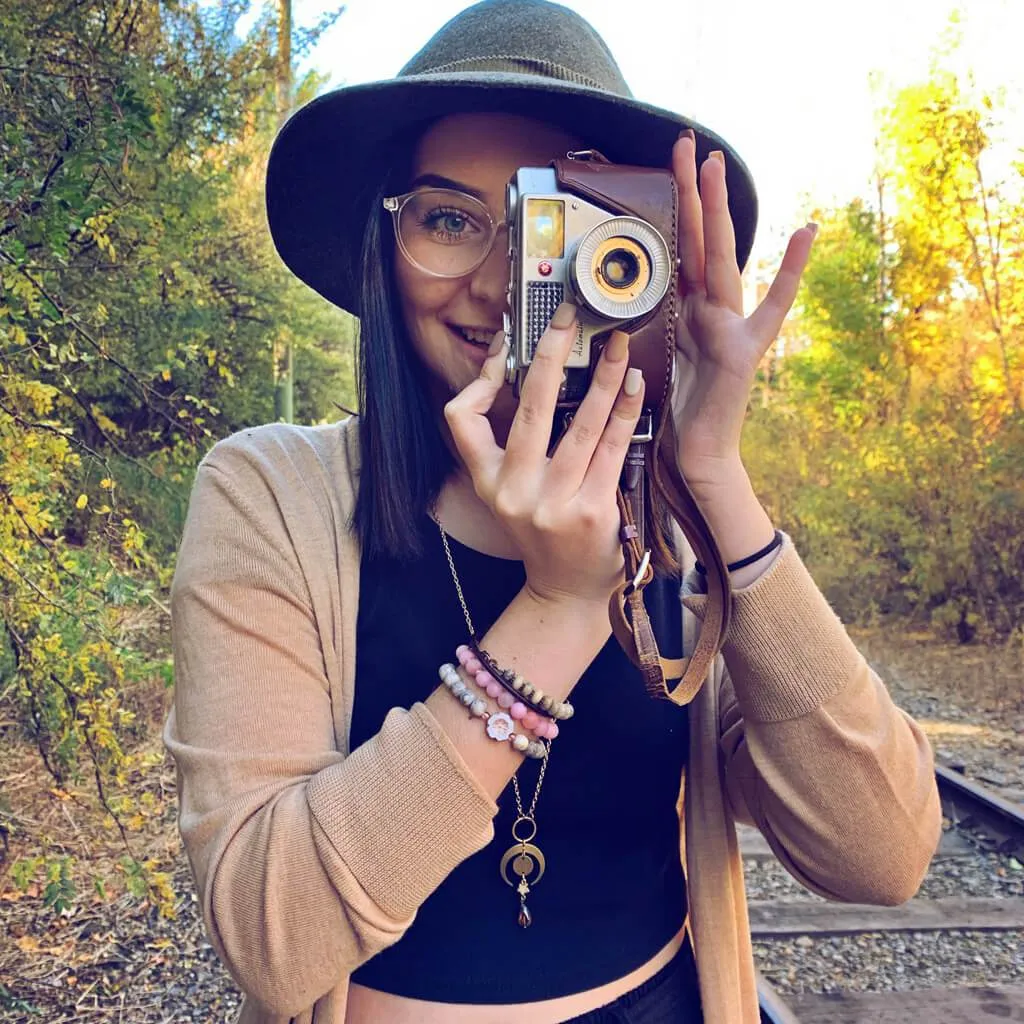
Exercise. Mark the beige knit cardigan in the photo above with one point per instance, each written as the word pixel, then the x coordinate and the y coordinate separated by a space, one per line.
pixel 309 858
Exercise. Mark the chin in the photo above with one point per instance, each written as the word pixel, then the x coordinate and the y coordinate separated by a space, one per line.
pixel 456 379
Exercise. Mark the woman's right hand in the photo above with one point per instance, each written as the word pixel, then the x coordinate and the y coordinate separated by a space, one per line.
pixel 560 511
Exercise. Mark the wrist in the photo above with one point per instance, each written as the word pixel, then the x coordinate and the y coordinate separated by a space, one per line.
pixel 551 641
pixel 563 611
pixel 739 522
pixel 715 479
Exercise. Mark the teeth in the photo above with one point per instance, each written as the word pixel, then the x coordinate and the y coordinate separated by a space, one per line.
pixel 477 337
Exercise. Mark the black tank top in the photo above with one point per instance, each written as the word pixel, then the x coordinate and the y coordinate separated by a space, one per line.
pixel 614 892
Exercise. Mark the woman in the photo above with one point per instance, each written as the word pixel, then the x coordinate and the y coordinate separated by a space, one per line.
pixel 364 849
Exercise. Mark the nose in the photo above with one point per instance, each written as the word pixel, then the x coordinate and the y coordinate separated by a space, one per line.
pixel 489 282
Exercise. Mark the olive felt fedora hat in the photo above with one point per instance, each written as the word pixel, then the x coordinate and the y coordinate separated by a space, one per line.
pixel 526 57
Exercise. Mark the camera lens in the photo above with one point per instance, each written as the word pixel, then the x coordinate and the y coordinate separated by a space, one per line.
pixel 620 268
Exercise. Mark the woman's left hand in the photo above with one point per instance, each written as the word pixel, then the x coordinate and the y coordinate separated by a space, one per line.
pixel 723 347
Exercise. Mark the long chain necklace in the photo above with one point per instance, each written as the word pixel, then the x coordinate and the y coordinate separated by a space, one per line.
pixel 524 857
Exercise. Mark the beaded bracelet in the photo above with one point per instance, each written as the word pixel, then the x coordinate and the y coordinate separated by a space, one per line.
pixel 541 725
pixel 522 701
pixel 478 662
pixel 498 724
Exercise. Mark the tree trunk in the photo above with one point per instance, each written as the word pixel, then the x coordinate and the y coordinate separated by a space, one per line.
pixel 284 392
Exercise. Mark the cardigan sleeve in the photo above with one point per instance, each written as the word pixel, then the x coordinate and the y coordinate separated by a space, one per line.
pixel 816 754
pixel 307 862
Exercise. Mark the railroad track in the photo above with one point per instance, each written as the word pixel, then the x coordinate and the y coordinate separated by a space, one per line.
pixel 969 805
pixel 982 821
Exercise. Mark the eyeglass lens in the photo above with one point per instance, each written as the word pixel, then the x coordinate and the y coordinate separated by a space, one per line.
pixel 445 232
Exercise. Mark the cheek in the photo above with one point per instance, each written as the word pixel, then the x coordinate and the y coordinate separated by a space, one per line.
pixel 422 297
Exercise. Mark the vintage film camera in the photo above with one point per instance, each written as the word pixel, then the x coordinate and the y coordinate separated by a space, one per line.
pixel 602 236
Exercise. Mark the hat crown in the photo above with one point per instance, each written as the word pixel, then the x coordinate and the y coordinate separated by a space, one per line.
pixel 527 37
pixel 528 57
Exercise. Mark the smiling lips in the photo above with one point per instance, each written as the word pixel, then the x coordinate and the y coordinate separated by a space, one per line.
pixel 479 336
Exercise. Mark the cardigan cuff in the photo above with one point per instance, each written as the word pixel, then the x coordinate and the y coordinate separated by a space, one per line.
pixel 410 784
pixel 787 652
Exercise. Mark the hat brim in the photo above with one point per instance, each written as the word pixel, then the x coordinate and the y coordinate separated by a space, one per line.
pixel 324 164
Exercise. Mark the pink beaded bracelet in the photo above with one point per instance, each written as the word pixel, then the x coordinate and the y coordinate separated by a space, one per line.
pixel 520 698
pixel 499 725
pixel 541 726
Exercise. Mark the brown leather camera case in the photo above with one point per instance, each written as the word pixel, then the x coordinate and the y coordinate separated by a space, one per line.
pixel 651 194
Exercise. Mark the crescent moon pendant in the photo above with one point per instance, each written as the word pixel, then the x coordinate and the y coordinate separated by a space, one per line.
pixel 528 851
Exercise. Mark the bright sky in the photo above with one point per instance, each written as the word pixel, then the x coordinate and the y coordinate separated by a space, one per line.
pixel 786 82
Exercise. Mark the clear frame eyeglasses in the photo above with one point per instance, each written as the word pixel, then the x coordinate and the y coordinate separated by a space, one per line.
pixel 443 232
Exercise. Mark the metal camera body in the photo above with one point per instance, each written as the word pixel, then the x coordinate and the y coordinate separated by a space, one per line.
pixel 615 268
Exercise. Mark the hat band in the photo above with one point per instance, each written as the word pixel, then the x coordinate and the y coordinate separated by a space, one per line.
pixel 509 63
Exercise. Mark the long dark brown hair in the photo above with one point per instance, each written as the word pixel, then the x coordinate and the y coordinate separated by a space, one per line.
pixel 405 459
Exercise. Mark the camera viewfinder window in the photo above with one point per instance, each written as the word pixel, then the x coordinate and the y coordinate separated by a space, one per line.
pixel 545 229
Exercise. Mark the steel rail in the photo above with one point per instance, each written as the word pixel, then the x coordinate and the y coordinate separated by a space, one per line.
pixel 967 804
pixel 973 806
pixel 773 1007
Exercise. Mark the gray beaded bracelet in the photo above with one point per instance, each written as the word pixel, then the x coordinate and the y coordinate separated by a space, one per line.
pixel 498 724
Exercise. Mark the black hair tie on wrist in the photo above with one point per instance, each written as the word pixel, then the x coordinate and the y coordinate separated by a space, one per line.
pixel 775 542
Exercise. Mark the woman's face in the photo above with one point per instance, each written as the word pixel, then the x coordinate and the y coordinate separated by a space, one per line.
pixel 451 321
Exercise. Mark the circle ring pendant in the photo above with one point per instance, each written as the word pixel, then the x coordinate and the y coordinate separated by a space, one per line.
pixel 515 827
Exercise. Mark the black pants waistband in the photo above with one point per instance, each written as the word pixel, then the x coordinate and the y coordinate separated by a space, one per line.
pixel 670 996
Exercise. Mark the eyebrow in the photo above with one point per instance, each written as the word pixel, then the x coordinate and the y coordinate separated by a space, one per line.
pixel 440 181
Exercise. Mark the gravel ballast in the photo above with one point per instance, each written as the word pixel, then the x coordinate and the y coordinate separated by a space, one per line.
pixel 887 962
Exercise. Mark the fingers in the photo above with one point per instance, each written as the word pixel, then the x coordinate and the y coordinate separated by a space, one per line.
pixel 572 457
pixel 691 218
pixel 530 433
pixel 466 413
pixel 767 319
pixel 707 241
pixel 721 271
pixel 606 463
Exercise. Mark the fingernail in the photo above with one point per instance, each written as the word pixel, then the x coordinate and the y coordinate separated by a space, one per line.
pixel 814 228
pixel 617 348
pixel 497 343
pixel 564 316
pixel 717 154
pixel 688 133
pixel 634 381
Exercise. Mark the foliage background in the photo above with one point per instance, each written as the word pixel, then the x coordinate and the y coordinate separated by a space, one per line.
pixel 890 438
pixel 143 315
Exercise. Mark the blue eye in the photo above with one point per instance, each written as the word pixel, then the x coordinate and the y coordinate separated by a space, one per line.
pixel 448 224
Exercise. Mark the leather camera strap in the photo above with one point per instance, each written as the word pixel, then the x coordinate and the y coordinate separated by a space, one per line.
pixel 627 612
